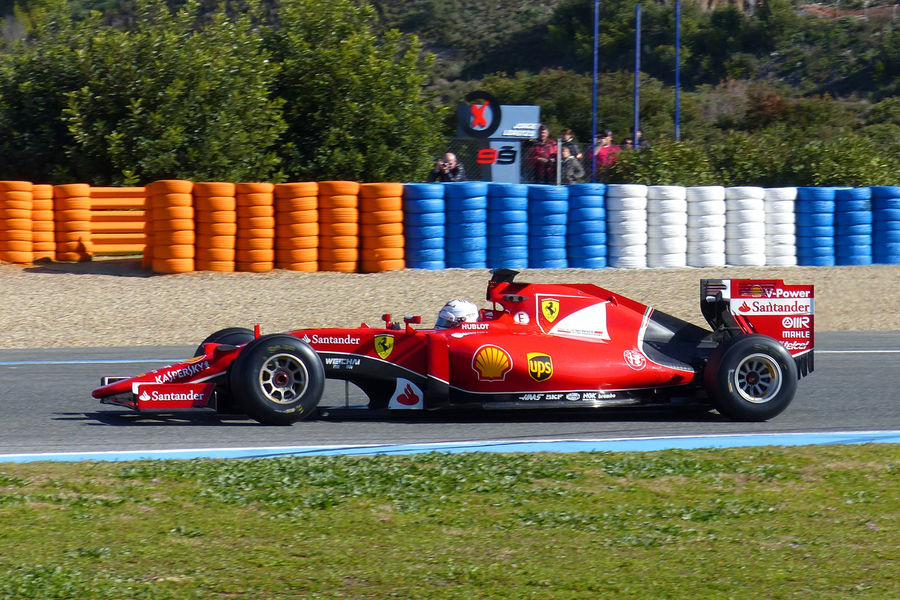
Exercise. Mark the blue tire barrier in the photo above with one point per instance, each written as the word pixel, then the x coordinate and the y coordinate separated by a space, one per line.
pixel 815 193
pixel 468 259
pixel 814 206
pixel 885 191
pixel 415 191
pixel 818 231
pixel 543 254
pixel 859 229
pixel 547 241
pixel 503 203
pixel 846 194
pixel 507 216
pixel 577 240
pixel 853 217
pixel 587 251
pixel 814 242
pixel 512 228
pixel 472 215
pixel 814 251
pixel 519 190
pixel 509 253
pixel 587 202
pixel 465 189
pixel 465 244
pixel 818 219
pixel 458 230
pixel 587 213
pixel 426 255
pixel 423 205
pixel 424 243
pixel 597 262
pixel 511 240
pixel 886 236
pixel 548 192
pixel 549 263
pixel 855 260
pixel 508 263
pixel 580 227
pixel 885 204
pixel 587 189
pixel 887 214
pixel 816 261
pixel 853 240
pixel 538 230
pixel 548 207
pixel 425 231
pixel 415 220
pixel 431 265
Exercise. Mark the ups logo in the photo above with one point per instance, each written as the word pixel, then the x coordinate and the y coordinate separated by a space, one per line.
pixel 540 366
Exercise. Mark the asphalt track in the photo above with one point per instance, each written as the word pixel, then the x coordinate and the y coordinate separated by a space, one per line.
pixel 48 413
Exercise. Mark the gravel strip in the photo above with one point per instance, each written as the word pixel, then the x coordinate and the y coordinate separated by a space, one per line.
pixel 115 303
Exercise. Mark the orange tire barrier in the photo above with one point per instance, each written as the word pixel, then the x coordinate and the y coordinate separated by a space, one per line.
pixel 16 223
pixel 255 247
pixel 118 220
pixel 381 219
pixel 43 227
pixel 338 226
pixel 171 233
pixel 72 217
pixel 297 226
pixel 215 212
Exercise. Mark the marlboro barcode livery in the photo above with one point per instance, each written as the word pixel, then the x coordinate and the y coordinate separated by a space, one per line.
pixel 537 346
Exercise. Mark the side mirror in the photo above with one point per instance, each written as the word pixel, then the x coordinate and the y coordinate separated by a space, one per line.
pixel 416 319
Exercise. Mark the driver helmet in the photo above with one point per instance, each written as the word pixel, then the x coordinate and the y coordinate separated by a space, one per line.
pixel 455 312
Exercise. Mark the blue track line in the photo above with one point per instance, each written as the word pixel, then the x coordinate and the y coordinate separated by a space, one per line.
pixel 650 444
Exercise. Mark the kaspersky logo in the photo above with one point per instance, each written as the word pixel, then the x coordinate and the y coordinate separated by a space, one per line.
pixel 540 366
pixel 384 345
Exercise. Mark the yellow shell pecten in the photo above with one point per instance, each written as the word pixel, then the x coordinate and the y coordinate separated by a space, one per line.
pixel 492 362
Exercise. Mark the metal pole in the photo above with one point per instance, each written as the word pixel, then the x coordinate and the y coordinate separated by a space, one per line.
pixel 594 91
pixel 637 73
pixel 677 71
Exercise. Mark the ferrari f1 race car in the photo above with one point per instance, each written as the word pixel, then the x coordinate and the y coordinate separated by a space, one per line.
pixel 539 346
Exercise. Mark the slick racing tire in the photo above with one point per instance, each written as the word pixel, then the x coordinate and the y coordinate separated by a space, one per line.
pixel 750 378
pixel 277 379
pixel 230 335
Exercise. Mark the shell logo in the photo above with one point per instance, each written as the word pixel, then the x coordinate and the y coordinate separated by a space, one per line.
pixel 491 363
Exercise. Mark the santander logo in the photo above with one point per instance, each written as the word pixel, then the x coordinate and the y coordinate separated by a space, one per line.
pixel 408 397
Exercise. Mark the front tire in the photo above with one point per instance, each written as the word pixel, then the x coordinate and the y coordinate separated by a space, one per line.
pixel 234 336
pixel 277 379
pixel 750 378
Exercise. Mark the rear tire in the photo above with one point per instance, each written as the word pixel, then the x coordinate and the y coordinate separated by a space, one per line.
pixel 277 379
pixel 750 378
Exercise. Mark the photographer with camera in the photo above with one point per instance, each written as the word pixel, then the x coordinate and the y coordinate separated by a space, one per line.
pixel 447 169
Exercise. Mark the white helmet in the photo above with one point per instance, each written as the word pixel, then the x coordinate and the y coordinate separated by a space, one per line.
pixel 455 312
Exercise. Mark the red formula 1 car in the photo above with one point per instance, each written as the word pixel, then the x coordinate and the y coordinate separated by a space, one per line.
pixel 540 346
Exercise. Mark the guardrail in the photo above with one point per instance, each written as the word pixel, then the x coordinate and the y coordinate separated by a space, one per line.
pixel 180 226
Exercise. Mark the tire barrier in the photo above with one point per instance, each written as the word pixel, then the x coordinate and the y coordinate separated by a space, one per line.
pixel 853 226
pixel 338 226
pixel 117 220
pixel 215 212
pixel 172 232
pixel 466 224
pixel 886 224
pixel 745 226
pixel 424 221
pixel 16 224
pixel 381 227
pixel 814 210
pixel 586 228
pixel 507 226
pixel 781 239
pixel 72 222
pixel 548 215
pixel 666 226
pixel 297 226
pixel 626 219
pixel 42 224
pixel 706 218
pixel 255 243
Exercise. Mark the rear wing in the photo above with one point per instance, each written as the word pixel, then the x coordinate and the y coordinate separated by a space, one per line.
pixel 783 312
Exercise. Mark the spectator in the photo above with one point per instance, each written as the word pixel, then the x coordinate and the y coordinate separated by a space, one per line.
pixel 640 141
pixel 628 144
pixel 568 139
pixel 447 169
pixel 572 171
pixel 542 157
pixel 606 152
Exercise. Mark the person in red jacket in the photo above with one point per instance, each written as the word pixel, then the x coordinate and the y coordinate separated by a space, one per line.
pixel 542 158
pixel 606 152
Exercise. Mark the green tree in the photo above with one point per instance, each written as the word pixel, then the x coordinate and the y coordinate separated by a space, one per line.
pixel 354 102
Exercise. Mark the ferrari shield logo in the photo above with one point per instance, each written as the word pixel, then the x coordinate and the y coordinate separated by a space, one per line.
pixel 550 308
pixel 384 344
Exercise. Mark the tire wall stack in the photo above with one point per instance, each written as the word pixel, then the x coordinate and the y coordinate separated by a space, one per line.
pixel 745 226
pixel 586 228
pixel 42 224
pixel 297 226
pixel 466 224
pixel 507 226
pixel 338 226
pixel 215 211
pixel 548 215
pixel 706 226
pixel 381 227
pixel 117 220
pixel 626 217
pixel 886 230
pixel 666 226
pixel 815 226
pixel 255 244
pixel 72 221
pixel 424 220
pixel 171 233
pixel 16 223
pixel 781 238
pixel 853 226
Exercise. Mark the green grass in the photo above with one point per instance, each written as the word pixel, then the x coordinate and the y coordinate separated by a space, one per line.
pixel 813 522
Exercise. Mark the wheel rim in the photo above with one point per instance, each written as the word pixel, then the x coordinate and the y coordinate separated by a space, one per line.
pixel 283 378
pixel 758 378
